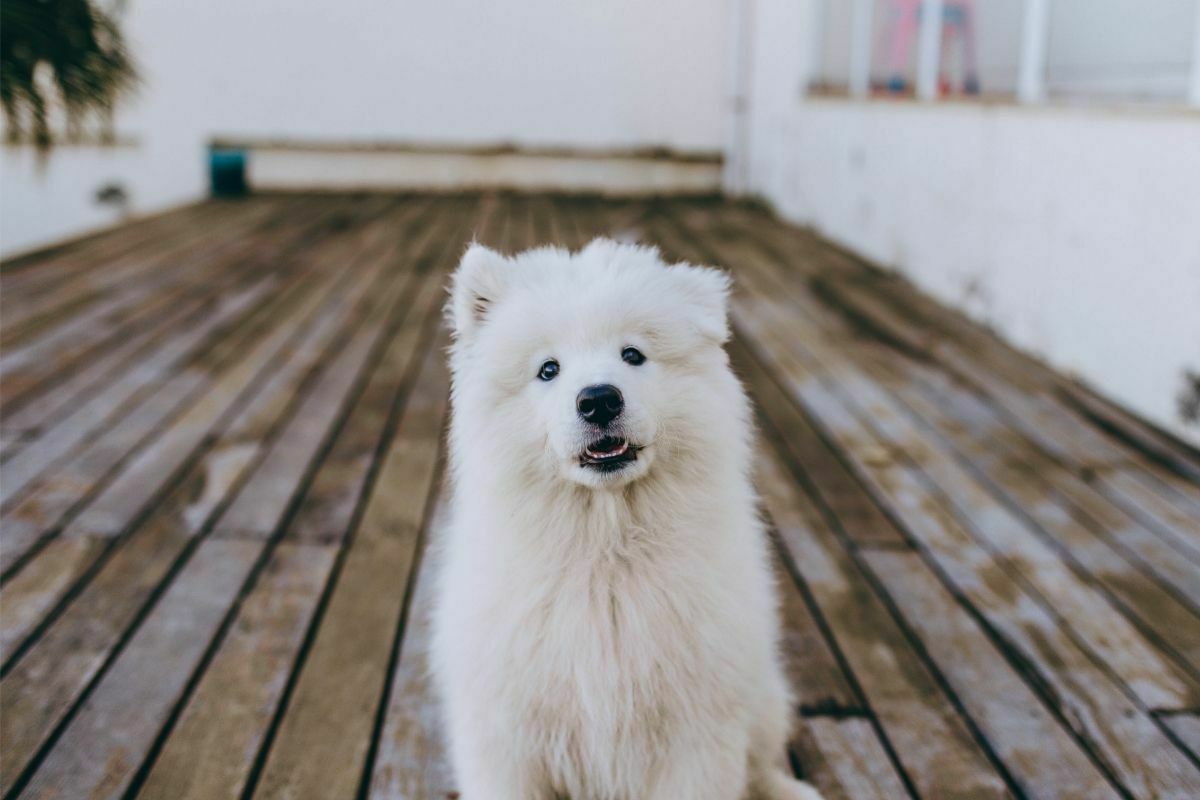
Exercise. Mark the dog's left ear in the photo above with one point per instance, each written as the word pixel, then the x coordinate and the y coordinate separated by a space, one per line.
pixel 706 289
pixel 480 279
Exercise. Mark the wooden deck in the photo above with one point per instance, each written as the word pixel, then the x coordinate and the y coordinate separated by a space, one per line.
pixel 221 462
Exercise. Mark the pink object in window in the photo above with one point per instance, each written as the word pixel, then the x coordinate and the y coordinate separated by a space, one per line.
pixel 903 25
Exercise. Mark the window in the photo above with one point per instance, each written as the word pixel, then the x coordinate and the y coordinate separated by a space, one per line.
pixel 1069 50
pixel 1129 50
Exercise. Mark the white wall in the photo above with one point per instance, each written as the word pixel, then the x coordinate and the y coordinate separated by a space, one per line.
pixel 608 74
pixel 1075 232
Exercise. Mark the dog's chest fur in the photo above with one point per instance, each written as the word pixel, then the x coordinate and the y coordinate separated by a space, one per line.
pixel 612 627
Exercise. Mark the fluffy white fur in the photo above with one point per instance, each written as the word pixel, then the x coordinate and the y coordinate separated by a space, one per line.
pixel 604 636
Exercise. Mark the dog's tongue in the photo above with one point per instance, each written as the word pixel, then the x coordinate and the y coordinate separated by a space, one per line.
pixel 607 447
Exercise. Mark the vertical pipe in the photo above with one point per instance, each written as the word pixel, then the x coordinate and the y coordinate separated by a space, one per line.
pixel 1194 88
pixel 818 26
pixel 860 48
pixel 1031 73
pixel 929 49
pixel 737 160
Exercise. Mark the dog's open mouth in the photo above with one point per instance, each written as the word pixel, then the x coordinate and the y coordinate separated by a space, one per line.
pixel 607 454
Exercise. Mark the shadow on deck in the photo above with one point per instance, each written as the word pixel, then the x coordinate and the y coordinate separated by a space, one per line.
pixel 990 577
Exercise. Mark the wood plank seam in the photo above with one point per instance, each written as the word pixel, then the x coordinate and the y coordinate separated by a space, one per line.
pixel 34 421
pixel 239 327
pixel 1015 408
pixel 330 584
pixel 261 762
pixel 925 422
pixel 844 400
pixel 695 247
pixel 902 624
pixel 181 560
pixel 356 323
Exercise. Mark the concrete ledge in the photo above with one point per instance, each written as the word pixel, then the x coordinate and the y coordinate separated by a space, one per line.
pixel 273 165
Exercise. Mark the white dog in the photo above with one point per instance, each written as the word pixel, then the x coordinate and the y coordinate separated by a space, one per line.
pixel 606 622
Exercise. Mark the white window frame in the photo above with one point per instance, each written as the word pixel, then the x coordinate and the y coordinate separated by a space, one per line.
pixel 1031 68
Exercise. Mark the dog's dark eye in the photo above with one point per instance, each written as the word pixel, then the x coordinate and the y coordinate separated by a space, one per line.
pixel 548 370
pixel 631 355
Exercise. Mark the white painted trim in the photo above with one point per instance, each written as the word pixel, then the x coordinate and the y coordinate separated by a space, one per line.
pixel 929 50
pixel 1035 31
pixel 860 47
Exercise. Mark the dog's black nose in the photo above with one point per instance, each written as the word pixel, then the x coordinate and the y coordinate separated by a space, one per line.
pixel 600 404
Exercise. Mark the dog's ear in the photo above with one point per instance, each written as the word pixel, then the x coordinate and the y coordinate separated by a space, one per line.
pixel 707 290
pixel 480 279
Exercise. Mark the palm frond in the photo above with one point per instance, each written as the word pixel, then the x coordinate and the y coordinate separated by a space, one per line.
pixel 59 51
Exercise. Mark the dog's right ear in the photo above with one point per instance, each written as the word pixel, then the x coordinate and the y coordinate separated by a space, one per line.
pixel 480 279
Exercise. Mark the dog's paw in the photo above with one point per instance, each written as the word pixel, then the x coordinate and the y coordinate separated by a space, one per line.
pixel 805 791
pixel 787 788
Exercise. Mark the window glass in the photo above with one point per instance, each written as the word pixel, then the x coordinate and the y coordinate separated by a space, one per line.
pixel 980 46
pixel 831 68
pixel 1120 49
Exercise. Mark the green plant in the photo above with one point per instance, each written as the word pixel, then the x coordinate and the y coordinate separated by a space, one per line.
pixel 65 51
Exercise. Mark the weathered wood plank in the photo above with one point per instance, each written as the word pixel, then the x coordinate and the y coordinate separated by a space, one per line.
pixel 1125 735
pixel 328 505
pixel 1136 541
pixel 917 310
pixel 123 749
pixel 844 759
pixel 87 335
pixel 50 677
pixel 36 298
pixel 61 389
pixel 62 663
pixel 1171 518
pixel 42 270
pixel 856 512
pixel 1187 728
pixel 817 679
pixel 411 759
pixel 136 485
pixel 1122 473
pixel 323 740
pixel 269 493
pixel 211 751
pixel 215 724
pixel 56 403
pixel 1028 393
pixel 101 748
pixel 41 513
pixel 115 400
pixel 233 370
pixel 151 467
pixel 1159 683
pixel 51 503
pixel 972 418
pixel 1099 711
pixel 1041 756
pixel 1078 521
pixel 973 601
pixel 937 749
pixel 39 588
pixel 1161 447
